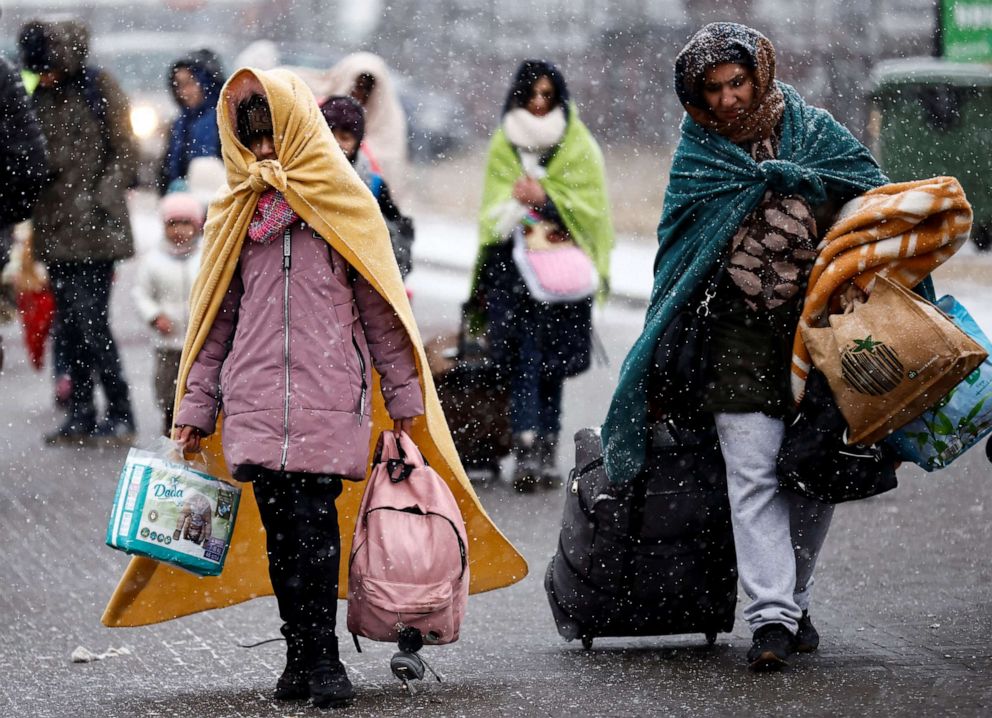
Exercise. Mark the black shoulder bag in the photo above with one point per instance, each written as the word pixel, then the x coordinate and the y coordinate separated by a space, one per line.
pixel 816 461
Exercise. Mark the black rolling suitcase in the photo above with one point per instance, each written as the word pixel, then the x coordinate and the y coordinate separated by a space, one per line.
pixel 653 557
pixel 474 399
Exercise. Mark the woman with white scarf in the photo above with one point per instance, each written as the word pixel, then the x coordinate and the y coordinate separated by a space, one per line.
pixel 544 204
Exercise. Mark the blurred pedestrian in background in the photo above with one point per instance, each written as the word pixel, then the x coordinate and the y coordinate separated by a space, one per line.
pixel 757 176
pixel 366 78
pixel 23 163
pixel 23 156
pixel 346 118
pixel 544 175
pixel 81 222
pixel 195 82
pixel 285 333
pixel 161 291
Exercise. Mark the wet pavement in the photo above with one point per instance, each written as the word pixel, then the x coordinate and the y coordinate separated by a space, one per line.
pixel 903 599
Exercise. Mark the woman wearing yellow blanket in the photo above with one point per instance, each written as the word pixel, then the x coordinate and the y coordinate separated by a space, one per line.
pixel 301 333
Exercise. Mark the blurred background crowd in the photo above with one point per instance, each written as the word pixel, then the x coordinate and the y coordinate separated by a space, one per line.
pixel 451 57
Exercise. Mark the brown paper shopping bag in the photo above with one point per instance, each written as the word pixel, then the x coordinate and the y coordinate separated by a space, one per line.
pixel 890 359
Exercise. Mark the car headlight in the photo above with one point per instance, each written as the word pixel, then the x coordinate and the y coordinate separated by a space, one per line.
pixel 144 121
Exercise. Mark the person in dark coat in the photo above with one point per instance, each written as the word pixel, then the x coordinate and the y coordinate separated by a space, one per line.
pixel 23 159
pixel 346 118
pixel 81 222
pixel 23 153
pixel 195 82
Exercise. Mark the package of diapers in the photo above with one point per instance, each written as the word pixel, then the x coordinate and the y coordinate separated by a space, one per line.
pixel 171 511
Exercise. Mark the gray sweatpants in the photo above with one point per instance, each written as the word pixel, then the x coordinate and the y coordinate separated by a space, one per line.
pixel 778 534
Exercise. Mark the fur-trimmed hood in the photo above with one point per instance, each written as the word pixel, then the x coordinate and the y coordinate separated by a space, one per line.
pixel 61 45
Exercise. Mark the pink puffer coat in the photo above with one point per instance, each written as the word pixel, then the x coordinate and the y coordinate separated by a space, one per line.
pixel 288 360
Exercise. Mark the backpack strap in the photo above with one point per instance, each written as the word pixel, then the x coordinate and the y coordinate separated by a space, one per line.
pixel 92 94
pixel 97 103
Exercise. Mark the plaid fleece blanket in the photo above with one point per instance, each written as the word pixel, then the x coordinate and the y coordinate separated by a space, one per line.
pixel 903 231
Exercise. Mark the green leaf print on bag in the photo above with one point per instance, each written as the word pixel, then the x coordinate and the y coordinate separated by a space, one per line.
pixel 871 367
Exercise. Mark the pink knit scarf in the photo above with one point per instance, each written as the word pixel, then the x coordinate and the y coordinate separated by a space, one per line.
pixel 272 215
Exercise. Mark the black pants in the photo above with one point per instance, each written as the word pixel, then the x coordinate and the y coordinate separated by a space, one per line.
pixel 82 300
pixel 166 373
pixel 304 548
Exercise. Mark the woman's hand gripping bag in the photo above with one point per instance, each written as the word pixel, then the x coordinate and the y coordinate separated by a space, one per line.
pixel 962 418
pixel 890 359
pixel 170 510
pixel 409 558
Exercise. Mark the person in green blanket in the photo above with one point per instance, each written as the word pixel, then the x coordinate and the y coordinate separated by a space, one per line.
pixel 544 182
pixel 755 180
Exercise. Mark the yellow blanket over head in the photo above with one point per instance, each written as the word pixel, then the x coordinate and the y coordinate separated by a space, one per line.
pixel 321 186
pixel 903 231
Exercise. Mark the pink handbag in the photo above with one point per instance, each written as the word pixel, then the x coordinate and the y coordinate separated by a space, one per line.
pixel 409 557
pixel 555 273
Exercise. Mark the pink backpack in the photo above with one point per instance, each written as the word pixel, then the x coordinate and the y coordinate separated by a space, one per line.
pixel 409 557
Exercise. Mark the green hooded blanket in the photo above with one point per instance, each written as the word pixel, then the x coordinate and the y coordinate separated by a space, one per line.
pixel 714 186
pixel 575 182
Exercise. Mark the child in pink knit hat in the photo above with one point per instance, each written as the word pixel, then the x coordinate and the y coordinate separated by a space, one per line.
pixel 161 291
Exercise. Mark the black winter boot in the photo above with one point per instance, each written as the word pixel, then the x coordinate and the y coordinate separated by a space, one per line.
pixel 527 462
pixel 293 683
pixel 329 684
pixel 548 450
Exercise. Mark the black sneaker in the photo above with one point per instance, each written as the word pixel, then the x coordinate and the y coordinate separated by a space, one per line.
pixel 72 432
pixel 771 646
pixel 115 432
pixel 329 684
pixel 807 638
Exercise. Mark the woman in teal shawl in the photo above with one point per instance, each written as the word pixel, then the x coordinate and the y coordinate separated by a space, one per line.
pixel 753 179
pixel 544 177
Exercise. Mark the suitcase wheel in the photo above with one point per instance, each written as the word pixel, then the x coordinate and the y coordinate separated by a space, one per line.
pixel 586 641
pixel 710 638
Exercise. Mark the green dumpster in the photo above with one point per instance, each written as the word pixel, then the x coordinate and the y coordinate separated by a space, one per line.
pixel 933 117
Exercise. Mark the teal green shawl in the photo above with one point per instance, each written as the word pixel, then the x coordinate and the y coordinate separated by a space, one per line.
pixel 714 185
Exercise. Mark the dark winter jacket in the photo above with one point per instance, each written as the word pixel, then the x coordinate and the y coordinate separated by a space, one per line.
pixel 337 328
pixel 23 153
pixel 82 215
pixel 560 334
pixel 194 132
